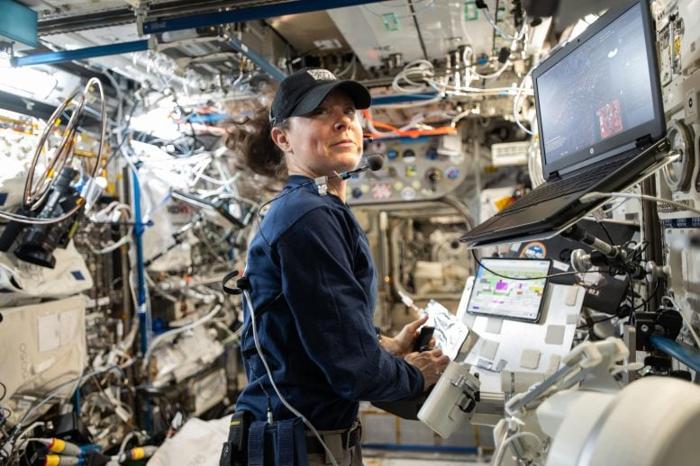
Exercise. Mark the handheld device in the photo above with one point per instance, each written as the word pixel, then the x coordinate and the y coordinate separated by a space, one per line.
pixel 422 343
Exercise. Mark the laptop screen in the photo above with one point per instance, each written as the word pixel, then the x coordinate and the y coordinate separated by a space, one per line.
pixel 510 298
pixel 599 92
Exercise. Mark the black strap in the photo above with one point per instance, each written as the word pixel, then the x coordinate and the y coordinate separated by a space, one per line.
pixel 234 450
pixel 351 439
pixel 242 284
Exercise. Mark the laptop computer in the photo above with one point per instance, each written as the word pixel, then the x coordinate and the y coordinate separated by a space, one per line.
pixel 601 124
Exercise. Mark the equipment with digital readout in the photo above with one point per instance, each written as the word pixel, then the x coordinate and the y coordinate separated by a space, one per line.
pixel 510 298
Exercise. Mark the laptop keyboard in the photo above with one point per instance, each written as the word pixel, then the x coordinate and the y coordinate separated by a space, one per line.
pixel 566 186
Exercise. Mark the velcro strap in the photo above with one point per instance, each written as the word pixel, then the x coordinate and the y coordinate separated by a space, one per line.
pixel 285 437
pixel 256 443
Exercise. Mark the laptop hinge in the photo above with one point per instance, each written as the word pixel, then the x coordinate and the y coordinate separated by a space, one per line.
pixel 644 141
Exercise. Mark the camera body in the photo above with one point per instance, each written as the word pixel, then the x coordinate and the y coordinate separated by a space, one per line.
pixel 36 242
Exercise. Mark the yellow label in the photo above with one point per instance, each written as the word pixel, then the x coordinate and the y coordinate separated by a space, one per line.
pixel 503 202
pixel 57 445
pixel 52 460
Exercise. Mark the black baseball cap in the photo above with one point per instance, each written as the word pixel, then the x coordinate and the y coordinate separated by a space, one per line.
pixel 302 92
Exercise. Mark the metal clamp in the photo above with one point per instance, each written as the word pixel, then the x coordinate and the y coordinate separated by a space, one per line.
pixel 469 385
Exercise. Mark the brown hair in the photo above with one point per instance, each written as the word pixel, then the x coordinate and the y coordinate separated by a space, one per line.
pixel 253 140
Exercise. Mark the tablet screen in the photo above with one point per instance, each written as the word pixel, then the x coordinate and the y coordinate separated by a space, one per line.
pixel 509 298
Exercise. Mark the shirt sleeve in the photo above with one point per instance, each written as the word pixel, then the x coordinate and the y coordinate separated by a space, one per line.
pixel 333 313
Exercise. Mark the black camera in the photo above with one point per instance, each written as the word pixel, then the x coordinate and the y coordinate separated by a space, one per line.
pixel 36 242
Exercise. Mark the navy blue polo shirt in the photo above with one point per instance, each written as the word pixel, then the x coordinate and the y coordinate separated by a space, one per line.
pixel 313 291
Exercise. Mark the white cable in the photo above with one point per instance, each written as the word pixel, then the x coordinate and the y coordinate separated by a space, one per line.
pixel 38 221
pixel 416 103
pixel 112 210
pixel 613 208
pixel 518 99
pixel 690 328
pixel 159 289
pixel 459 117
pixel 16 443
pixel 592 196
pixel 125 440
pixel 55 391
pixel 114 246
pixel 498 29
pixel 291 408
pixel 420 73
pixel 232 336
pixel 171 333
pixel 423 68
pixel 474 90
pixel 347 68
pixel 495 74
pixel 506 443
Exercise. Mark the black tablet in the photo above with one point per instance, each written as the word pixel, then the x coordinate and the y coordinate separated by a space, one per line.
pixel 510 298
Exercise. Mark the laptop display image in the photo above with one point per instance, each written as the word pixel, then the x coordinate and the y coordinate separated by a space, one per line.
pixel 601 125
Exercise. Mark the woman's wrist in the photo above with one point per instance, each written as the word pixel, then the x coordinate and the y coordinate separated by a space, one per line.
pixel 390 345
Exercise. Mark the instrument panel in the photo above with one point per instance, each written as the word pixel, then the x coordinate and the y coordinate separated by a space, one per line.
pixel 415 169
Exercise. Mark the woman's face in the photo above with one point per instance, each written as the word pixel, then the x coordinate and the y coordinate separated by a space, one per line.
pixel 326 141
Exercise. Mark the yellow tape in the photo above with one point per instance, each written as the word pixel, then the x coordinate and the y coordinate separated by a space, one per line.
pixel 138 453
pixel 52 460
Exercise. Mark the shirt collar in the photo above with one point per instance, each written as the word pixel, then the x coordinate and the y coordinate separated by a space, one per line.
pixel 294 180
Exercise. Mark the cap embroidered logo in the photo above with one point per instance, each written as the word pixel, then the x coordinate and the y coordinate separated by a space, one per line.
pixel 321 75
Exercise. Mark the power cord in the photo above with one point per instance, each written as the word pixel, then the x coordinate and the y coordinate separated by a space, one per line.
pixel 291 408
pixel 595 195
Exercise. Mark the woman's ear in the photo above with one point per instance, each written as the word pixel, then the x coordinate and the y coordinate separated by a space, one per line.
pixel 281 139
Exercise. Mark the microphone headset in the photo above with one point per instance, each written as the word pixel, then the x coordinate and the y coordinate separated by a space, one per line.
pixel 373 162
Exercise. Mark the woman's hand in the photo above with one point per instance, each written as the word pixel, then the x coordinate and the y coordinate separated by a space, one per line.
pixel 402 343
pixel 430 363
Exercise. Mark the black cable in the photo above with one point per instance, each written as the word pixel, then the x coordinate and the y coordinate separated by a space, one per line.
pixel 4 391
pixel 646 301
pixel 605 229
pixel 590 325
pixel 420 35
pixel 527 278
pixel 493 36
